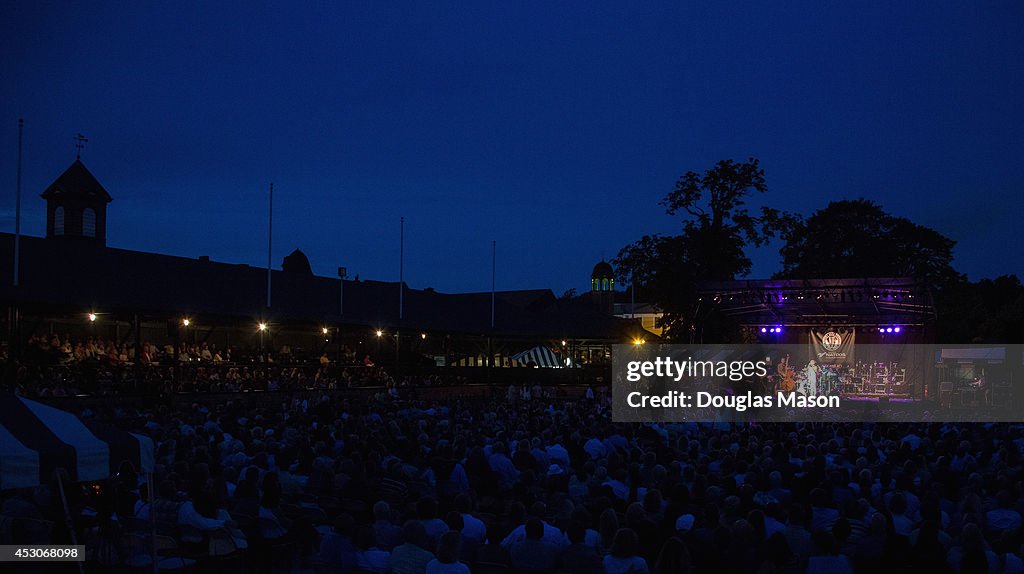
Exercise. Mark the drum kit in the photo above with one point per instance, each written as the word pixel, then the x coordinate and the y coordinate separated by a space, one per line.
pixel 882 378
pixel 879 378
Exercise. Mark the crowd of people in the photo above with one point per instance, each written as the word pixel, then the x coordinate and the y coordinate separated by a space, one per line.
pixel 527 484
pixel 57 349
pixel 59 366
pixel 99 380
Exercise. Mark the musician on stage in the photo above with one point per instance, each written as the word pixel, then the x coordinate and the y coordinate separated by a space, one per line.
pixel 811 376
pixel 979 384
pixel 786 382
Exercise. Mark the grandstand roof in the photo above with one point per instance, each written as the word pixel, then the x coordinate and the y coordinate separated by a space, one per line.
pixel 68 277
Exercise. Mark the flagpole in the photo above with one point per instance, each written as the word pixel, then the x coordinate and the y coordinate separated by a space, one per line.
pixel 401 268
pixel 494 274
pixel 270 239
pixel 401 295
pixel 17 210
pixel 490 335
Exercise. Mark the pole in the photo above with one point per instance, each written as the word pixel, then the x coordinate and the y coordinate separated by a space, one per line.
pixel 632 296
pixel 401 295
pixel 270 239
pixel 263 359
pixel 401 268
pixel 67 515
pixel 177 358
pixel 137 367
pixel 494 275
pixel 151 484
pixel 342 273
pixel 17 209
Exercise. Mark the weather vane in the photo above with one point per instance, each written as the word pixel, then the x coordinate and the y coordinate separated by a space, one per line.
pixel 79 144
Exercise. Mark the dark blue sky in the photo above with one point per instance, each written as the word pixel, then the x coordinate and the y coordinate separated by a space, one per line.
pixel 552 129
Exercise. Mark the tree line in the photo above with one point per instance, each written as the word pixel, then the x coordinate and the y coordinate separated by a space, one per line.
pixel 848 238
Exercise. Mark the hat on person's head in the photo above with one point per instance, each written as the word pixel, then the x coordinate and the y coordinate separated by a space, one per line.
pixel 685 523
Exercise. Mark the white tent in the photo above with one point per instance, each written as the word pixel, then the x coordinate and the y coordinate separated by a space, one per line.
pixel 540 356
pixel 36 439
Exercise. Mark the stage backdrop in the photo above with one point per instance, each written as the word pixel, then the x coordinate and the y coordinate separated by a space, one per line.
pixel 833 346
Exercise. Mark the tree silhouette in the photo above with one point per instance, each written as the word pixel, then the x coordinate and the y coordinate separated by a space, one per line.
pixel 857 238
pixel 711 245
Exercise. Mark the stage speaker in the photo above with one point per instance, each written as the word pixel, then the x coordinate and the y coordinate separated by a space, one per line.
pixel 1001 396
pixel 969 398
pixel 946 394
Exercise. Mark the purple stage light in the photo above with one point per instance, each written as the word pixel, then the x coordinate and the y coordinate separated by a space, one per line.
pixel 896 330
pixel 888 329
pixel 763 330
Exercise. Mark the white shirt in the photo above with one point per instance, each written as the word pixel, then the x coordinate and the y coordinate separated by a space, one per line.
pixel 595 448
pixel 374 560
pixel 551 536
pixel 187 516
pixel 473 528
pixel 557 453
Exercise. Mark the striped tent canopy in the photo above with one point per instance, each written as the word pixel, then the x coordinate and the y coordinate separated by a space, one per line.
pixel 36 439
pixel 540 355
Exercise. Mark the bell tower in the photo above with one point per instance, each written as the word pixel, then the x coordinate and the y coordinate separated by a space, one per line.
pixel 602 287
pixel 76 206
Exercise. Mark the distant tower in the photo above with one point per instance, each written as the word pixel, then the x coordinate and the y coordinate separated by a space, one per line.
pixel 76 206
pixel 602 286
pixel 602 278
pixel 297 262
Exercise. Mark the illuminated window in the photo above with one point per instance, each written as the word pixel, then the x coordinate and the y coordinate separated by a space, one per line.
pixel 58 221
pixel 89 222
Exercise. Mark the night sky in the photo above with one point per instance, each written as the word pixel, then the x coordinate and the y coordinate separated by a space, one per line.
pixel 554 130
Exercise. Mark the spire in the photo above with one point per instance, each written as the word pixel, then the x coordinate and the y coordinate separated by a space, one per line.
pixel 77 182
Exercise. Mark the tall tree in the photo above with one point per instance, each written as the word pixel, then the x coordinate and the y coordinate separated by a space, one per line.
pixel 857 238
pixel 715 231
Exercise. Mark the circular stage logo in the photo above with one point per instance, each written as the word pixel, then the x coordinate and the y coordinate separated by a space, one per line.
pixel 831 341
